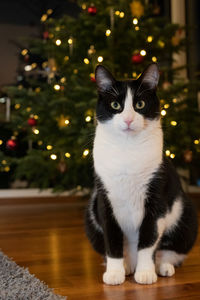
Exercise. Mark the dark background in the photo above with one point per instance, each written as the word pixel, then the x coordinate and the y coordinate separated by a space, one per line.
pixel 21 19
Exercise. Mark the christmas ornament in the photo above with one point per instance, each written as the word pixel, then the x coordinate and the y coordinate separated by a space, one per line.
pixel 137 58
pixel 137 9
pixel 45 35
pixel 92 10
pixel 32 121
pixel 187 156
pixel 11 144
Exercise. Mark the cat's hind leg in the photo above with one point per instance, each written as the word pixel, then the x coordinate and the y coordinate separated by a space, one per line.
pixel 166 260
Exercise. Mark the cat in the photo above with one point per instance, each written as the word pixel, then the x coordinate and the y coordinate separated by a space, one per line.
pixel 138 217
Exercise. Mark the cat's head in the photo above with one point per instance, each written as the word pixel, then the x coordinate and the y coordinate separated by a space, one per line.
pixel 130 106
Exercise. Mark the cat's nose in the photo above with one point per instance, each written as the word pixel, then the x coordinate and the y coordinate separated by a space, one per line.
pixel 128 121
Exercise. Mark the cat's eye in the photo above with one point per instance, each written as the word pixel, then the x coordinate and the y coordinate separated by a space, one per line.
pixel 140 104
pixel 115 105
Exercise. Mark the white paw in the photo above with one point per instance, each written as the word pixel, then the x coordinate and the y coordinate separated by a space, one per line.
pixel 145 277
pixel 114 277
pixel 166 269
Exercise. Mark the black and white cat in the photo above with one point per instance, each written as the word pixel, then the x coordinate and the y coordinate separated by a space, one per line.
pixel 138 216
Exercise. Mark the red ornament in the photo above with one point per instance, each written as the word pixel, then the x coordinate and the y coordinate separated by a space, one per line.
pixel 137 58
pixel 92 10
pixel 45 35
pixel 32 122
pixel 11 144
pixel 92 78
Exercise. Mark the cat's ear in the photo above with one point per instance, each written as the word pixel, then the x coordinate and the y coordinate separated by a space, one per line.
pixel 104 78
pixel 150 76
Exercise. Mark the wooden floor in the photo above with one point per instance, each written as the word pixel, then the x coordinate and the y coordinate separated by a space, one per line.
pixel 49 239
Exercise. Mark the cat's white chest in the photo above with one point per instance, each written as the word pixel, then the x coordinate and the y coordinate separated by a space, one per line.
pixel 125 170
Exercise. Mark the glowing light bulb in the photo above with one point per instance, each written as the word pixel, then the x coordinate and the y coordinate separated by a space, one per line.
pixel 1 142
pixel 196 142
pixel 172 155
pixel 143 52
pixel 100 58
pixel 28 68
pixel 24 52
pixel 86 61
pixel 163 112
pixel 17 106
pixel 108 32
pixel 84 6
pixel 135 21
pixel 63 80
pixel 66 121
pixel 166 105
pixel 7 169
pixel 33 65
pixel 36 131
pixel 86 152
pixel 44 18
pixel 4 162
pixel 134 74
pixel 173 123
pixel 88 119
pixel 49 147
pixel 58 42
pixel 117 12
pixel 121 15
pixel 49 11
pixel 70 41
pixel 67 154
pixel 56 87
pixel 149 39
pixel 53 156
pixel 137 28
pixel 35 117
pixel 40 143
pixel 154 59
pixel 167 152
pixel 66 58
pixel 174 100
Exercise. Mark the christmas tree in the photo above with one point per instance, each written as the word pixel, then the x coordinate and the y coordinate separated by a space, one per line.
pixel 53 109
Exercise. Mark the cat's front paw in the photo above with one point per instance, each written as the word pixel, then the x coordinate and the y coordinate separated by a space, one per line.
pixel 166 269
pixel 114 277
pixel 145 277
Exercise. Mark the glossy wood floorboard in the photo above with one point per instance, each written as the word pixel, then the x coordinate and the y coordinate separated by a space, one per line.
pixel 49 239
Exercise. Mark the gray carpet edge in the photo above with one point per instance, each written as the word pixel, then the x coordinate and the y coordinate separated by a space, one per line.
pixel 17 283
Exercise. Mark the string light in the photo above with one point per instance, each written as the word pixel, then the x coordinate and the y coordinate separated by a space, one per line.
pixel 49 11
pixel 100 58
pixel 24 52
pixel 44 18
pixel 172 155
pixel 67 154
pixel 7 169
pixel 1 142
pixel 196 142
pixel 49 147
pixel 40 143
pixel 36 131
pixel 143 52
pixel 70 41
pixel 33 65
pixel 57 28
pixel 17 106
pixel 63 80
pixel 56 87
pixel 86 61
pixel 121 15
pixel 35 117
pixel 137 28
pixel 86 152
pixel 4 162
pixel 88 119
pixel 166 105
pixel 174 100
pixel 154 59
pixel 38 89
pixel 67 122
pixel 53 156
pixel 28 109
pixel 28 68
pixel 163 112
pixel 117 12
pixel 108 32
pixel 58 42
pixel 134 74
pixel 84 6
pixel 173 123
pixel 66 58
pixel 135 21
pixel 167 152
pixel 149 39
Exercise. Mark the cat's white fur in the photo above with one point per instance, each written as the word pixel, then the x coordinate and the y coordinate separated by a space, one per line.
pixel 133 154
